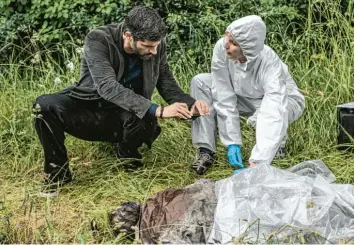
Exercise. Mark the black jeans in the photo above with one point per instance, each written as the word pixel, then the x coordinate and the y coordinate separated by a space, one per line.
pixel 92 120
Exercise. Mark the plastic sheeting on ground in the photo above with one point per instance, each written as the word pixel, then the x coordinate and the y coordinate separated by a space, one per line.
pixel 260 205
pixel 301 204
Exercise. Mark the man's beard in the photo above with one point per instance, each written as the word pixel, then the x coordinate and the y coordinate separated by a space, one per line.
pixel 147 56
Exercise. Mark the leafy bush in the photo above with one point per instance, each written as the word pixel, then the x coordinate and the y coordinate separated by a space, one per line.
pixel 191 23
pixel 47 22
pixel 57 26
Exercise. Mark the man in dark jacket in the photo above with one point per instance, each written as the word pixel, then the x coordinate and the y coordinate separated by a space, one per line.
pixel 122 65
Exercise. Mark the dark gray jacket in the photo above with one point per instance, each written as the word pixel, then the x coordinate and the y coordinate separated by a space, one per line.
pixel 103 66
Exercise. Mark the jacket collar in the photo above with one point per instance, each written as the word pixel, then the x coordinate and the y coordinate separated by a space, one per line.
pixel 147 67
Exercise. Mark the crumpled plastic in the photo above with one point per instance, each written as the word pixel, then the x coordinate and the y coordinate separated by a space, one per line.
pixel 265 204
pixel 259 205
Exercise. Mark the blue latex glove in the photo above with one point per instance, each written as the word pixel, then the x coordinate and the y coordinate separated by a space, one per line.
pixel 237 171
pixel 235 156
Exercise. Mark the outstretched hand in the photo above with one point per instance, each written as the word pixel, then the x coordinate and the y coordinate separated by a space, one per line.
pixel 234 154
pixel 251 164
pixel 179 110
pixel 200 108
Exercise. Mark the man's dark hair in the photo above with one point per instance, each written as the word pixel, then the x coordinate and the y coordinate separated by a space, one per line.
pixel 145 24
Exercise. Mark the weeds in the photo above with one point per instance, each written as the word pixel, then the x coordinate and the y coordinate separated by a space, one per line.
pixel 322 69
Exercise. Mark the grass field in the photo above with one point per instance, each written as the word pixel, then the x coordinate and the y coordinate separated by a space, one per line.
pixel 326 76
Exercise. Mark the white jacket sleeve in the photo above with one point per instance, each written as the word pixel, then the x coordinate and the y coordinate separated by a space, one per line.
pixel 272 119
pixel 224 98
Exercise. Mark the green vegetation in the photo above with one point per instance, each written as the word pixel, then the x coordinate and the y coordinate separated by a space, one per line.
pixel 318 48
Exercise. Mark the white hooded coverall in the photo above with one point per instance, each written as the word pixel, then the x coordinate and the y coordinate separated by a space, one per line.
pixel 261 88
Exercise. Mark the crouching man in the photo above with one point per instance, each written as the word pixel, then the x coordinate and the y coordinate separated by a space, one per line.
pixel 111 102
pixel 247 78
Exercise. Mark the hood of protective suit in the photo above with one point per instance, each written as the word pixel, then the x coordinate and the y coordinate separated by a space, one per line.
pixel 249 32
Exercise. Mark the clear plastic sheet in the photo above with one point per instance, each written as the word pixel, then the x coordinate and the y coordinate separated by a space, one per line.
pixel 268 205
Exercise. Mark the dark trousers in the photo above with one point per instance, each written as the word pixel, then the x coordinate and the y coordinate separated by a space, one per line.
pixel 92 120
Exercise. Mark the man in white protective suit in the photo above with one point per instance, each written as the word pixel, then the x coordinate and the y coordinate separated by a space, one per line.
pixel 247 78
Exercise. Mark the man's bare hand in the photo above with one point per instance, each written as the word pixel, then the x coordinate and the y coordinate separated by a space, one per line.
pixel 179 110
pixel 200 107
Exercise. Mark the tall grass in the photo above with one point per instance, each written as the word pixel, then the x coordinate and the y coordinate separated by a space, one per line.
pixel 320 59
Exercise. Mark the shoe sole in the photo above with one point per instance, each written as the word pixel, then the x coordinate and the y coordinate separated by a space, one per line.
pixel 49 194
pixel 54 193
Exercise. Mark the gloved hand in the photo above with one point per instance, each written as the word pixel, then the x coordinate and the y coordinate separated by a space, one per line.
pixel 237 171
pixel 235 156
